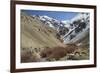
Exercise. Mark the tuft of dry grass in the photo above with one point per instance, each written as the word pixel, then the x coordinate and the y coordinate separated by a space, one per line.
pixel 30 55
pixel 58 52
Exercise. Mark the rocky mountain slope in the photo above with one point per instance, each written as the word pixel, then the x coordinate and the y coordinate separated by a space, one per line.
pixel 35 34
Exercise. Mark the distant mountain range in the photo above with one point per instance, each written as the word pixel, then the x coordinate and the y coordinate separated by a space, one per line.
pixel 70 31
pixel 68 26
pixel 60 26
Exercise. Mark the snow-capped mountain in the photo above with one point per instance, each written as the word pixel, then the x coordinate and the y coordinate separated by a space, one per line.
pixel 66 23
pixel 55 24
pixel 50 21
pixel 79 29
pixel 72 31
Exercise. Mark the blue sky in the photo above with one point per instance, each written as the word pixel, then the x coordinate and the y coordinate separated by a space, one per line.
pixel 54 14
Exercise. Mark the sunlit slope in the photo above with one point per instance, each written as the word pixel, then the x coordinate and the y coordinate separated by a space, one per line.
pixel 35 34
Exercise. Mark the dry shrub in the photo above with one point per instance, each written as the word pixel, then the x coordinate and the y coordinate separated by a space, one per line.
pixel 58 52
pixel 29 55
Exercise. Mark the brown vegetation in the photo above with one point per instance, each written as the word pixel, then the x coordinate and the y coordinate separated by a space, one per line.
pixel 29 55
pixel 58 52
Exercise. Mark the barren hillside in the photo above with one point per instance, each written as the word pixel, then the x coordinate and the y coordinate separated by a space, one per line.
pixel 36 35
